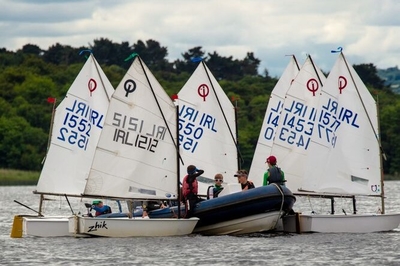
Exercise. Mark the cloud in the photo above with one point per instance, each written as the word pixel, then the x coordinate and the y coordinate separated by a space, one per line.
pixel 366 29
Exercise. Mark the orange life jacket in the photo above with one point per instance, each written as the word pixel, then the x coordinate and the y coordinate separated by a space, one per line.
pixel 189 188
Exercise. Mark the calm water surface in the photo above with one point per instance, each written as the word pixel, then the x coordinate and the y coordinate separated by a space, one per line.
pixel 255 249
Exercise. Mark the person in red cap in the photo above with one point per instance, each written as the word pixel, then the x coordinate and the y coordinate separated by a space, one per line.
pixel 274 174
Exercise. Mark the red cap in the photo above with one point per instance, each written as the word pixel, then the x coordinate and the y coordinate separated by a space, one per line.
pixel 271 159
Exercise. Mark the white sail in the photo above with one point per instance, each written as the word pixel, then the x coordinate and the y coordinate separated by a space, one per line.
pixel 137 156
pixel 270 122
pixel 77 126
pixel 296 123
pixel 345 153
pixel 207 128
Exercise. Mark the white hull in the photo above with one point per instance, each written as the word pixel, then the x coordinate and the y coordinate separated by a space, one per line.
pixel 340 223
pixel 134 227
pixel 45 226
pixel 250 224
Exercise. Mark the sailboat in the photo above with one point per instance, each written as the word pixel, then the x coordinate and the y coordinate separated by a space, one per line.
pixel 270 122
pixel 208 139
pixel 78 121
pixel 137 158
pixel 343 158
pixel 207 129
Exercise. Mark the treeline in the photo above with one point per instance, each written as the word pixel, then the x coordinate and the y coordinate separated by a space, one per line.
pixel 30 75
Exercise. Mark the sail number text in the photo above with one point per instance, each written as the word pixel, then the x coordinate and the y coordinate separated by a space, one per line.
pixel 192 125
pixel 297 124
pixel 78 123
pixel 136 132
pixel 331 117
pixel 272 120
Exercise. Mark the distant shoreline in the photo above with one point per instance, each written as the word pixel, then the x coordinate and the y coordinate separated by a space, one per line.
pixel 12 177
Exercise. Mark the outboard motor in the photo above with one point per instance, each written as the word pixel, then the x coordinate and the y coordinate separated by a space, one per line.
pixel 89 209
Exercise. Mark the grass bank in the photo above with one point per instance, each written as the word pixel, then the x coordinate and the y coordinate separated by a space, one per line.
pixel 12 177
pixel 392 177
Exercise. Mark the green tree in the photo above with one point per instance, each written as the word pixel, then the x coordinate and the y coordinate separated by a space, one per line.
pixel 62 54
pixel 31 49
pixel 30 75
pixel 369 75
pixel 21 146
pixel 187 65
pixel 153 54
pixel 390 138
pixel 108 53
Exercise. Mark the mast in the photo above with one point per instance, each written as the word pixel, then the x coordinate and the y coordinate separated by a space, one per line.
pixel 239 156
pixel 381 162
pixel 53 111
pixel 177 163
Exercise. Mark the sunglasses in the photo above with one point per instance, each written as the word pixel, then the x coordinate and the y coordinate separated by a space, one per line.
pixel 220 180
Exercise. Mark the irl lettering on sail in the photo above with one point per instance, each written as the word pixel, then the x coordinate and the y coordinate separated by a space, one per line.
pixel 297 124
pixel 135 132
pixel 272 120
pixel 341 114
pixel 192 124
pixel 78 123
pixel 331 117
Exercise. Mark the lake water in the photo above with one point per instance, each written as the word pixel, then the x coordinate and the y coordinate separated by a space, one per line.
pixel 255 249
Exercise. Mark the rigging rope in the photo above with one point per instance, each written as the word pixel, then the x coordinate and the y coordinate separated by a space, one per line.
pixel 283 200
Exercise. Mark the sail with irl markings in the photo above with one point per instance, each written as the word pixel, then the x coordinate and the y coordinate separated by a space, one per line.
pixel 343 159
pixel 297 122
pixel 345 142
pixel 78 122
pixel 270 122
pixel 207 128
pixel 137 153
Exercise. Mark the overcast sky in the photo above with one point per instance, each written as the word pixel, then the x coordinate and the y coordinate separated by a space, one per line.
pixel 368 30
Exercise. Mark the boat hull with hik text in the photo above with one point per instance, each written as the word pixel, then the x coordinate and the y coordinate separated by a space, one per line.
pixel 130 227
